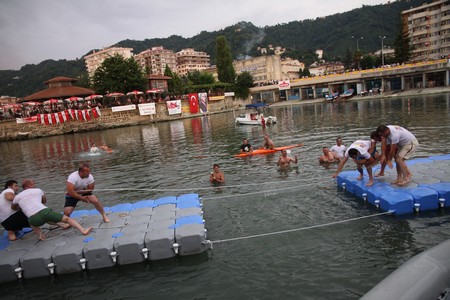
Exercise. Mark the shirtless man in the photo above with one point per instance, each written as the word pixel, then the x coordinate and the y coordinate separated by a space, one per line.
pixel 31 200
pixel 268 143
pixel 285 161
pixel 216 175
pixel 328 156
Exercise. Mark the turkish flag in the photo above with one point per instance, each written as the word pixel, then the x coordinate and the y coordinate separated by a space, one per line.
pixel 79 115
pixel 193 103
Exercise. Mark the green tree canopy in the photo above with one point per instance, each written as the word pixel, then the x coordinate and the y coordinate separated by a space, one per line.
pixel 244 82
pixel 118 74
pixel 224 61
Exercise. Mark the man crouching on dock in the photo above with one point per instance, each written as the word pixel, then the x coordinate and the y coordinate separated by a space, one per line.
pixel 31 200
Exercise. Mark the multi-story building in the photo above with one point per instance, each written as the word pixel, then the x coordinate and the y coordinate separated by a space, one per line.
pixel 290 68
pixel 264 69
pixel 94 60
pixel 156 59
pixel 326 68
pixel 189 60
pixel 428 27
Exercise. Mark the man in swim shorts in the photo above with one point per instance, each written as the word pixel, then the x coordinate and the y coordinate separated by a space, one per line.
pixel 31 200
pixel 79 186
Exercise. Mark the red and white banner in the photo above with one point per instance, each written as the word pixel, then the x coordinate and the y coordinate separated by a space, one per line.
pixel 284 85
pixel 27 120
pixel 96 112
pixel 174 107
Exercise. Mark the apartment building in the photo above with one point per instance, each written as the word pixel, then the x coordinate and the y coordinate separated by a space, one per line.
pixel 428 27
pixel 94 60
pixel 290 68
pixel 264 68
pixel 189 60
pixel 156 59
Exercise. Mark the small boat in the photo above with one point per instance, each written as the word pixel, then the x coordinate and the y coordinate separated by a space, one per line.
pixel 332 97
pixel 347 94
pixel 266 151
pixel 255 117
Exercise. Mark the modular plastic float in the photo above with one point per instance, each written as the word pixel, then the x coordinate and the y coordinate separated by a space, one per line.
pixel 428 190
pixel 145 230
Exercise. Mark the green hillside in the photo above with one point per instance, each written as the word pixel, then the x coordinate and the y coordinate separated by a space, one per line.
pixel 301 38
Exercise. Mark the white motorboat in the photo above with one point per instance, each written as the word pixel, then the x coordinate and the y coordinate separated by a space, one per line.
pixel 255 117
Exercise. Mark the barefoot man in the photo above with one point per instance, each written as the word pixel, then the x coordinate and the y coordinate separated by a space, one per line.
pixel 80 186
pixel 285 161
pixel 402 144
pixel 31 200
pixel 358 151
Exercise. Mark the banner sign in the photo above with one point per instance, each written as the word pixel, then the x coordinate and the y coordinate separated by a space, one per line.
pixel 284 85
pixel 147 109
pixel 193 103
pixel 26 120
pixel 123 108
pixel 203 99
pixel 174 107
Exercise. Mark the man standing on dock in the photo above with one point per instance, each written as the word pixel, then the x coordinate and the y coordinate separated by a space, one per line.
pixel 80 186
pixel 403 144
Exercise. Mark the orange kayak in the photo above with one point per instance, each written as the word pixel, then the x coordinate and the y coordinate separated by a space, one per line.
pixel 266 151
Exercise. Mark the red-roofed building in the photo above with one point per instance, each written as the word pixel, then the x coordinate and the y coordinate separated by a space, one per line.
pixel 59 88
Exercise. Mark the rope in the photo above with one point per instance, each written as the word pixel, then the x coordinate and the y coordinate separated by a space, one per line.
pixel 198 188
pixel 298 229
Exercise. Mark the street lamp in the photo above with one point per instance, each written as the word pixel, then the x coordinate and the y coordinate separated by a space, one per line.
pixel 382 48
pixel 357 41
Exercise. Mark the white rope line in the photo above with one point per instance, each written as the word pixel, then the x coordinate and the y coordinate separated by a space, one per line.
pixel 298 229
pixel 274 191
pixel 195 189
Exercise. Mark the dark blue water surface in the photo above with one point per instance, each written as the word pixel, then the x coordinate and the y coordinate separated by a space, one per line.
pixel 338 261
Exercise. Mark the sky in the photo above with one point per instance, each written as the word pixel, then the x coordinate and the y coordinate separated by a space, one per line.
pixel 32 31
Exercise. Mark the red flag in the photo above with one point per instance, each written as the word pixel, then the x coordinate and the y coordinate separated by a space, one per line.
pixel 72 114
pixel 60 117
pixel 40 119
pixel 46 119
pixel 193 103
pixel 65 115
pixel 79 115
pixel 53 117
pixel 96 112
pixel 87 117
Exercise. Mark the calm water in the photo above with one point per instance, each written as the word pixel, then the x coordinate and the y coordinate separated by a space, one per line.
pixel 341 261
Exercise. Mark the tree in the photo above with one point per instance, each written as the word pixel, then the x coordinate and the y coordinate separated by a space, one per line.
pixel 174 85
pixel 244 82
pixel 118 74
pixel 224 61
pixel 197 78
pixel 304 72
pixel 402 46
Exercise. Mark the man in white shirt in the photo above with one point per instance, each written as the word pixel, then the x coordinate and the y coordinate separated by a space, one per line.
pixel 80 185
pixel 403 144
pixel 10 219
pixel 338 149
pixel 31 200
pixel 358 151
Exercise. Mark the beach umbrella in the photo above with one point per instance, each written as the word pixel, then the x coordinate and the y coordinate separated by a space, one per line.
pixel 114 94
pixel 73 98
pixel 31 103
pixel 52 101
pixel 154 91
pixel 11 106
pixel 135 93
pixel 93 97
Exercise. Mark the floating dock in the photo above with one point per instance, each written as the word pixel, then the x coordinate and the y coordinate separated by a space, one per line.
pixel 145 230
pixel 428 190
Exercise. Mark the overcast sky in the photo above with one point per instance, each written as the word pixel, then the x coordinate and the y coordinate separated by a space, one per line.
pixel 35 30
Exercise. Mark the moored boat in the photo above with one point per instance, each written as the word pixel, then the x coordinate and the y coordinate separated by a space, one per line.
pixel 255 117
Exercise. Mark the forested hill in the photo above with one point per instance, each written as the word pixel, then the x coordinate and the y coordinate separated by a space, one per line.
pixel 333 34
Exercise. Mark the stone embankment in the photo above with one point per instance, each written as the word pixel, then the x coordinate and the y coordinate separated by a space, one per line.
pixel 11 130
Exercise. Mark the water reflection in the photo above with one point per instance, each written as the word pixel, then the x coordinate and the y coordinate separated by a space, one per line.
pixel 170 158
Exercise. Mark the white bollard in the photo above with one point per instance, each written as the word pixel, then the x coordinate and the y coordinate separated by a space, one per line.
pixel 18 272
pixel 364 195
pixel 83 262
pixel 441 202
pixel 343 185
pixel 176 246
pixel 377 203
pixel 145 252
pixel 114 255
pixel 51 268
pixel 416 207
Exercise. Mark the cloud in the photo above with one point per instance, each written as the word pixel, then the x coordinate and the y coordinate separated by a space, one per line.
pixel 33 31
